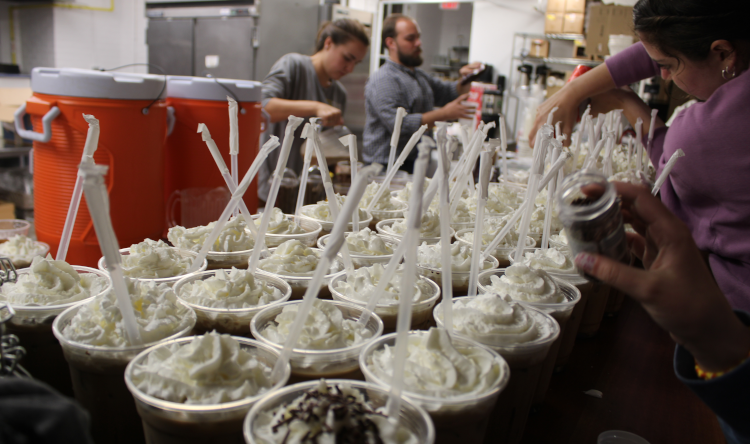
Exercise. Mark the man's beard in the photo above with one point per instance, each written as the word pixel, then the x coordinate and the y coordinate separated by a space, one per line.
pixel 410 61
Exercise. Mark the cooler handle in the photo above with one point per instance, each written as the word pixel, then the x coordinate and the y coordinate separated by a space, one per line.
pixel 172 201
pixel 44 136
pixel 170 120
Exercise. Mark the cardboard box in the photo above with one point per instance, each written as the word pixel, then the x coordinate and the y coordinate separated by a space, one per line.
pixel 573 23
pixel 555 6
pixel 10 100
pixel 7 210
pixel 575 6
pixel 606 20
pixel 553 23
pixel 539 48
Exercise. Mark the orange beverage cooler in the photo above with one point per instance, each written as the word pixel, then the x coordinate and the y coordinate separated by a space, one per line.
pixel 191 175
pixel 133 121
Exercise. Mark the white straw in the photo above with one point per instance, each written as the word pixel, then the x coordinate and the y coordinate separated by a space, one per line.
pixel 536 168
pixel 395 136
pixel 665 172
pixel 639 144
pixel 303 180
pixel 351 142
pixel 403 322
pixel 334 244
pixel 286 146
pixel 599 125
pixel 445 241
pixel 89 148
pixel 557 166
pixel 551 115
pixel 504 146
pixel 234 141
pixel 520 211
pixel 548 208
pixel 651 130
pixel 485 167
pixel 98 203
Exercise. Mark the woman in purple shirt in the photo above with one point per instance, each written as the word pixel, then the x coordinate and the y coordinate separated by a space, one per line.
pixel 704 47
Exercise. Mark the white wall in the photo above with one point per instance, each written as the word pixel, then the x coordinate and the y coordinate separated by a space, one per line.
pixel 455 23
pixel 492 28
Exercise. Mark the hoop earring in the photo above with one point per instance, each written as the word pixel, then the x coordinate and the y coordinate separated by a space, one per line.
pixel 725 72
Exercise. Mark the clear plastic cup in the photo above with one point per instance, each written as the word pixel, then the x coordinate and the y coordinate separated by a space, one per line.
pixel 460 279
pixel 562 312
pixel 167 280
pixel 13 227
pixel 231 321
pixel 311 226
pixel 384 228
pixel 166 422
pixel 40 249
pixel 396 213
pixel 421 312
pixel 299 283
pixel 461 418
pixel 411 415
pixel 216 260
pixel 33 325
pixel 99 384
pixel 307 213
pixel 363 260
pixel 316 364
pixel 526 360
pixel 501 253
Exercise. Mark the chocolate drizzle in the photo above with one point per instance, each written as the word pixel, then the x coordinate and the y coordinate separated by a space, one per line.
pixel 352 418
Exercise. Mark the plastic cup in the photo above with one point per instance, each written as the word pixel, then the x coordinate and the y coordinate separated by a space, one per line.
pixel 421 312
pixel 501 253
pixel 231 321
pixel 526 360
pixel 460 279
pixel 167 280
pixel 384 228
pixel 33 325
pixel 311 226
pixel 216 260
pixel 315 364
pixel 326 226
pixel 397 213
pixel 166 422
pixel 40 249
pixel 99 383
pixel 411 415
pixel 13 227
pixel 461 418
pixel 363 260
pixel 299 282
pixel 562 312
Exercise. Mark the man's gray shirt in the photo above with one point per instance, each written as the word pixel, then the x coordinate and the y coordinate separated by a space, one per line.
pixel 395 85
pixel 293 77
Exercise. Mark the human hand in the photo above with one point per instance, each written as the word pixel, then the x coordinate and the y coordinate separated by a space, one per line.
pixel 468 69
pixel 676 288
pixel 456 110
pixel 329 115
pixel 567 113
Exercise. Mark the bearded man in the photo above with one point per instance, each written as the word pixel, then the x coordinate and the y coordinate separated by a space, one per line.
pixel 400 83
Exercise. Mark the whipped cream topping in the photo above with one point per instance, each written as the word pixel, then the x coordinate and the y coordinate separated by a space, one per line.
pixel 233 290
pixel 561 238
pixel 325 328
pixel 431 256
pixel 495 206
pixel 490 228
pixel 233 237
pixel 293 258
pixel 210 369
pixel 465 210
pixel 158 314
pixel 154 259
pixel 494 320
pixel 367 243
pixel 326 412
pixel 279 223
pixel 437 368
pixel 551 260
pixel 522 283
pixel 430 225
pixel 384 203
pixel 536 224
pixel 360 285
pixel 20 248
pixel 404 194
pixel 322 212
pixel 51 282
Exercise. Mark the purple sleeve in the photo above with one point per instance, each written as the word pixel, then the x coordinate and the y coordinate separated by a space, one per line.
pixel 657 147
pixel 631 65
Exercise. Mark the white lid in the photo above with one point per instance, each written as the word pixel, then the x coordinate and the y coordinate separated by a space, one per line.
pixel 74 82
pixel 205 88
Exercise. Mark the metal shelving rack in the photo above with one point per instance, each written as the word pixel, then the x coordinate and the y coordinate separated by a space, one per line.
pixel 520 57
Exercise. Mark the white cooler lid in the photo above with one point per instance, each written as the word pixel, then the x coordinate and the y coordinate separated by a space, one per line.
pixel 205 88
pixel 74 82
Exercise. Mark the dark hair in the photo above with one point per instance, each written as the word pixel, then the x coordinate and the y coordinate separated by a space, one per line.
pixel 341 31
pixel 389 25
pixel 689 27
